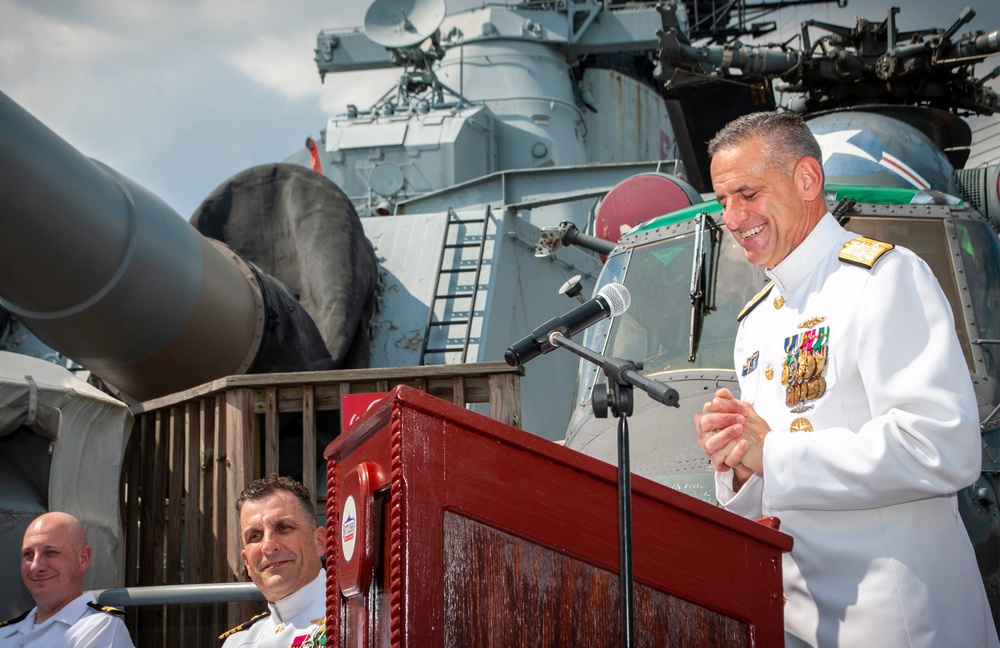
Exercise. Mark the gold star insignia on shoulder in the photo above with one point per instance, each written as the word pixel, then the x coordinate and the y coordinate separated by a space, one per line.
pixel 94 605
pixel 244 626
pixel 16 619
pixel 864 252
pixel 752 304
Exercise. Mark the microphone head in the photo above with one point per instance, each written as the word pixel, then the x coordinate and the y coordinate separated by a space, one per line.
pixel 617 296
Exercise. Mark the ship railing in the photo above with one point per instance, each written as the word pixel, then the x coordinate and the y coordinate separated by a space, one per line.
pixel 190 454
pixel 125 597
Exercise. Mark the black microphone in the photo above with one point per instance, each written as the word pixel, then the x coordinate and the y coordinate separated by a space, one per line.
pixel 611 300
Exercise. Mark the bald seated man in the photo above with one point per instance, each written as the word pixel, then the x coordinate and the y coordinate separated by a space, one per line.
pixel 54 557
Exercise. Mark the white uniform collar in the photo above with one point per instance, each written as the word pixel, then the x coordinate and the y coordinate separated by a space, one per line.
pixel 815 249
pixel 68 614
pixel 286 609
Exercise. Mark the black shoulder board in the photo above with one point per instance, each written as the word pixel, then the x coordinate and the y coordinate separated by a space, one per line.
pixel 16 619
pixel 864 252
pixel 244 626
pixel 94 605
pixel 752 304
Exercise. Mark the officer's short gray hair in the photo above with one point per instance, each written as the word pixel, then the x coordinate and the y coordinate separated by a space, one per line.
pixel 786 137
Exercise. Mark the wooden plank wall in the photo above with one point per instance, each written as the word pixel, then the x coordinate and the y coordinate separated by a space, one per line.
pixel 191 454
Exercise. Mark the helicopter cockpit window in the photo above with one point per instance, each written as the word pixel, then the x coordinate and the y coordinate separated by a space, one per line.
pixel 980 252
pixel 663 324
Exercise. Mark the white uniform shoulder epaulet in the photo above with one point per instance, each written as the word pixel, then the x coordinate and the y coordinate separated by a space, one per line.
pixel 94 605
pixel 16 619
pixel 244 625
pixel 752 304
pixel 863 251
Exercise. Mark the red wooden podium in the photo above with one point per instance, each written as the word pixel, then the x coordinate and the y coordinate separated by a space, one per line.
pixel 447 528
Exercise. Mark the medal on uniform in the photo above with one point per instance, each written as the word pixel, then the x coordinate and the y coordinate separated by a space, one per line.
pixel 810 365
pixel 801 425
pixel 789 367
pixel 820 360
pixel 805 360
pixel 822 333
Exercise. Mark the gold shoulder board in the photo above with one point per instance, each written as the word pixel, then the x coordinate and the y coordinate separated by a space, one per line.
pixel 16 619
pixel 244 625
pixel 94 605
pixel 752 304
pixel 864 251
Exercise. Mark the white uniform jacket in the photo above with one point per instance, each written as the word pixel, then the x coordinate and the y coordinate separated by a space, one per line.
pixel 297 620
pixel 76 625
pixel 868 446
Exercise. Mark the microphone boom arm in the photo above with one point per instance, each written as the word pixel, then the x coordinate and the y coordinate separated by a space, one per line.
pixel 619 372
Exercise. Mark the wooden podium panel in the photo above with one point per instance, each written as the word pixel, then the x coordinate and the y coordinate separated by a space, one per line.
pixel 447 528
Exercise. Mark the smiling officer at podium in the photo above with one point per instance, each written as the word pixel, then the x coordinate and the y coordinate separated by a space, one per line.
pixel 858 421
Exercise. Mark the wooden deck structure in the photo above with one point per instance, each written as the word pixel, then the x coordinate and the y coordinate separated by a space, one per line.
pixel 190 455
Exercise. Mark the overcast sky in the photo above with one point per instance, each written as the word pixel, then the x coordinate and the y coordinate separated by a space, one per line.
pixel 179 95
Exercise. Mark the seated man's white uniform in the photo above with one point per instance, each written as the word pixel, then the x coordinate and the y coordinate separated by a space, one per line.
pixel 299 617
pixel 54 557
pixel 81 622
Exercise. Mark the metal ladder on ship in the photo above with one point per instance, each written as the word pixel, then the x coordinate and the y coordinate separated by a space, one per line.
pixel 448 297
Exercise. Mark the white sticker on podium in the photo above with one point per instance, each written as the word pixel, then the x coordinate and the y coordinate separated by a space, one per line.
pixel 349 528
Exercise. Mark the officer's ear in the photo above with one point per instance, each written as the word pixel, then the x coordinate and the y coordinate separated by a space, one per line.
pixel 808 176
pixel 84 558
pixel 319 535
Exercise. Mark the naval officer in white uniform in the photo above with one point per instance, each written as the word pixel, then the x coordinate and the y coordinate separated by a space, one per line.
pixel 54 557
pixel 282 550
pixel 857 422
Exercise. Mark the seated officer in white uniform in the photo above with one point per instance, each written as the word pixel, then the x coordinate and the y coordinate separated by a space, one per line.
pixel 282 550
pixel 54 557
pixel 857 421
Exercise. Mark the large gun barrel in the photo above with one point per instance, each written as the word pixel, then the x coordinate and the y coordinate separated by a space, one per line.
pixel 102 270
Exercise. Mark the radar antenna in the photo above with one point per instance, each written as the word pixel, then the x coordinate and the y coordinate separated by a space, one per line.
pixel 402 25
